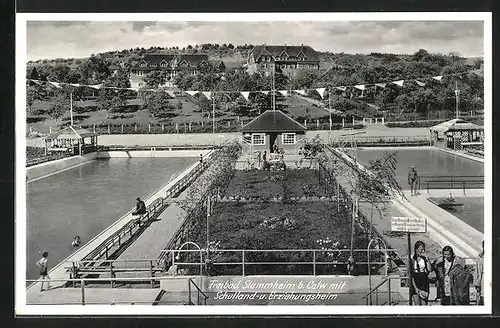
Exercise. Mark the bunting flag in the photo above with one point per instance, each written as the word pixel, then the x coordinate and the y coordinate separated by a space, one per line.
pixel 245 94
pixel 438 78
pixel 57 85
pixel 191 93
pixel 36 82
pixel 265 92
pixel 75 85
pixel 301 92
pixel 360 87
pixel 321 92
pixel 207 94
pixel 283 92
pixel 420 83
pixel 381 85
pixel 341 88
pixel 133 89
pixel 95 86
pixel 399 83
pixel 171 93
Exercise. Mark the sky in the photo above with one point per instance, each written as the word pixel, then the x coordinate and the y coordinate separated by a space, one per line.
pixel 75 39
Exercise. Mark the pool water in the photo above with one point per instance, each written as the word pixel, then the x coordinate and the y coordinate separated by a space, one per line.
pixel 472 212
pixel 426 161
pixel 87 199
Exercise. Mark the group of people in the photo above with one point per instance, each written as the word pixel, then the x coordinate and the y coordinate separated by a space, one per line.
pixel 453 280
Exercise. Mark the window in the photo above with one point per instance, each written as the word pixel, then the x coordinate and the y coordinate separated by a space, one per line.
pixel 288 138
pixel 258 139
pixel 140 73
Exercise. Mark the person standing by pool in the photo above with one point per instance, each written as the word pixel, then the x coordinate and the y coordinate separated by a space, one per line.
pixel 42 264
pixel 413 180
pixel 421 267
pixel 478 278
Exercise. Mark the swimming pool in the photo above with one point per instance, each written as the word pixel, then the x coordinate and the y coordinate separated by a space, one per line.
pixel 87 199
pixel 427 161
pixel 472 212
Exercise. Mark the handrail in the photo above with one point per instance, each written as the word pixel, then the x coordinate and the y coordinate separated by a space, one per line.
pixel 376 287
pixel 205 297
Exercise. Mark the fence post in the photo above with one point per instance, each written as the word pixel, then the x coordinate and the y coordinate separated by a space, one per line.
pixel 122 128
pixel 163 127
pixel 305 123
pixel 177 127
pixel 243 262
pixel 317 123
pixel 152 273
pixel 228 124
pixel 149 127
pixel 314 262
pixel 112 275
pixel 343 122
pixel 189 126
pixel 109 131
pixel 185 128
pixel 389 291
pixel 82 286
pixel 93 128
pixel 135 127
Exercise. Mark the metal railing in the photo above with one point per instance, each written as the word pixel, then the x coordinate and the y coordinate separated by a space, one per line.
pixel 84 285
pixel 386 141
pixel 199 293
pixel 451 182
pixel 310 260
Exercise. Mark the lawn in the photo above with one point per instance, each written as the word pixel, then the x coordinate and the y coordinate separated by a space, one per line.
pixel 86 112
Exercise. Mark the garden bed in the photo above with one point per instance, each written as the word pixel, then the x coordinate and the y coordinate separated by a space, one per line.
pixel 269 184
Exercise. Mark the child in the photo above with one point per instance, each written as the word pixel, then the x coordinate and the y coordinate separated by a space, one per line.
pixel 42 264
pixel 76 242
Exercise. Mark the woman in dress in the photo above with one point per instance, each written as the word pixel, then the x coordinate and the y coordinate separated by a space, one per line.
pixel 421 267
pixel 444 266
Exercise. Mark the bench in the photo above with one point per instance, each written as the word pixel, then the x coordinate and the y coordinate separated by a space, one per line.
pixel 446 203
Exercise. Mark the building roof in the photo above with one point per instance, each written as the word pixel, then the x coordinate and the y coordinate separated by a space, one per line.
pixel 293 51
pixel 456 125
pixel 216 62
pixel 156 59
pixel 273 121
pixel 71 132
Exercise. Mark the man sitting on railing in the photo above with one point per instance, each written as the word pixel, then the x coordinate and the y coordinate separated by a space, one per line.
pixel 140 207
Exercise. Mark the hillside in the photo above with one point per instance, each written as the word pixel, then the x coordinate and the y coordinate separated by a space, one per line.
pixel 48 106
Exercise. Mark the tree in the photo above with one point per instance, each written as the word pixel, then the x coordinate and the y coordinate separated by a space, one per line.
pixel 156 78
pixel 303 79
pixel 60 104
pixel 159 105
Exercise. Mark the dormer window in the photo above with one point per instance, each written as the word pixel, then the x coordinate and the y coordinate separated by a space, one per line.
pixel 283 55
pixel 183 63
pixel 163 63
pixel 143 64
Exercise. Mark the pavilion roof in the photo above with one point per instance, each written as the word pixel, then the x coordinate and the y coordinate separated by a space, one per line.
pixel 71 132
pixel 456 125
pixel 273 121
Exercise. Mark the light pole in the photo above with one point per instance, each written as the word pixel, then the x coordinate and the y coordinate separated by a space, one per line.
pixel 330 105
pixel 457 94
pixel 71 106
pixel 376 240
pixel 201 257
pixel 213 112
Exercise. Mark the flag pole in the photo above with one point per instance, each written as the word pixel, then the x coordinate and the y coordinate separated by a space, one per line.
pixel 71 106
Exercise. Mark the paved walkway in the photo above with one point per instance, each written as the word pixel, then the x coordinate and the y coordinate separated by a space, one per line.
pixel 65 296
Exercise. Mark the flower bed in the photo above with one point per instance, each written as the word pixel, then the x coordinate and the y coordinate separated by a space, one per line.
pixel 269 184
pixel 274 226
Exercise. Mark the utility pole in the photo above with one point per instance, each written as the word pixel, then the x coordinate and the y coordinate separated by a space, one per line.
pixel 330 104
pixel 213 112
pixel 71 106
pixel 457 94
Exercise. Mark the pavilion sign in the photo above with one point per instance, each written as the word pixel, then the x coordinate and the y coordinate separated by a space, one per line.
pixel 406 224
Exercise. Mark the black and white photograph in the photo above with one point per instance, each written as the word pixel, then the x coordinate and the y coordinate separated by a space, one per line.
pixel 268 164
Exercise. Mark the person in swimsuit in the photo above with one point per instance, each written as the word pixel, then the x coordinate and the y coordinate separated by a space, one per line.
pixel 140 207
pixel 76 242
pixel 412 180
pixel 42 264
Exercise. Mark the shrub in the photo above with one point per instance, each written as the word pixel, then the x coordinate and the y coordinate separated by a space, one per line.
pixel 414 124
pixel 34 119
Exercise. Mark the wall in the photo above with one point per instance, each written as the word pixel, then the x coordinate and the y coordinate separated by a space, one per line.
pixel 152 153
pixel 48 168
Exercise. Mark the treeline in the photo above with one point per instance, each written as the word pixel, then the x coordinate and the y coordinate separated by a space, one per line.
pixel 344 70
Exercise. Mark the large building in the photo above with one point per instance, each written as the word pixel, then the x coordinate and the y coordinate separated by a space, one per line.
pixel 289 59
pixel 173 64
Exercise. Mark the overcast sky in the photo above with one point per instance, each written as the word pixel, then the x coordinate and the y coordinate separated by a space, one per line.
pixel 64 39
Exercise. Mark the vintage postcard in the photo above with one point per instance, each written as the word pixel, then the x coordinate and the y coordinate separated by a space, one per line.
pixel 187 164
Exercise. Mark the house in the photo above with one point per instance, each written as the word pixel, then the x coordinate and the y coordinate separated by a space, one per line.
pixel 457 134
pixel 72 139
pixel 287 59
pixel 273 127
pixel 172 64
